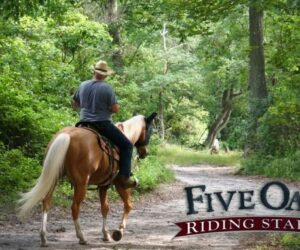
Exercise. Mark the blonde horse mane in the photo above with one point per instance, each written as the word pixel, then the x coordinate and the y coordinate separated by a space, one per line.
pixel 129 126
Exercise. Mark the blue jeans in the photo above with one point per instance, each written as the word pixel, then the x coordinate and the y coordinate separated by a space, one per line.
pixel 110 131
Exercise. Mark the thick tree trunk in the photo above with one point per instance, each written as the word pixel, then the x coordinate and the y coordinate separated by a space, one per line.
pixel 222 118
pixel 115 32
pixel 257 85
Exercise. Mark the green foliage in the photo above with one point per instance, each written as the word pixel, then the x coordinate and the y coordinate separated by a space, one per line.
pixel 283 167
pixel 291 241
pixel 287 241
pixel 223 67
pixel 81 41
pixel 128 98
pixel 17 172
pixel 37 80
pixel 48 47
pixel 279 130
pixel 175 90
pixel 187 18
pixel 151 171
pixel 15 9
pixel 278 133
pixel 172 154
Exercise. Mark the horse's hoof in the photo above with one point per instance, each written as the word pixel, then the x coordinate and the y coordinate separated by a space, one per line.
pixel 44 244
pixel 82 242
pixel 117 235
pixel 107 238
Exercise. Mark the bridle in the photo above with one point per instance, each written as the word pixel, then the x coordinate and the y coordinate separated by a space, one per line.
pixel 145 142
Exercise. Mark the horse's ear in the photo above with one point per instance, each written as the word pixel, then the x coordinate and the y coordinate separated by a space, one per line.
pixel 150 118
pixel 120 126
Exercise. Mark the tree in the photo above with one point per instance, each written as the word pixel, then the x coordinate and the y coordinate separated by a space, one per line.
pixel 112 13
pixel 15 9
pixel 257 84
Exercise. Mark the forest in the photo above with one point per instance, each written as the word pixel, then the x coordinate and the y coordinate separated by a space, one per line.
pixel 211 69
pixel 223 69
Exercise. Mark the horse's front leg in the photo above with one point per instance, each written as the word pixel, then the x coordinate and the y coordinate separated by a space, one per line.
pixel 126 197
pixel 104 211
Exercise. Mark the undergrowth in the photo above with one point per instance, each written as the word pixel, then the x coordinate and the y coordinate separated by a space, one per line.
pixel 284 167
pixel 174 154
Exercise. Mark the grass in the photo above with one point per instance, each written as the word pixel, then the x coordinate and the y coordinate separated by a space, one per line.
pixel 174 154
pixel 287 241
pixel 291 241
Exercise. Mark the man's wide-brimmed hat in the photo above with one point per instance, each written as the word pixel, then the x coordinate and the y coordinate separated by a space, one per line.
pixel 101 68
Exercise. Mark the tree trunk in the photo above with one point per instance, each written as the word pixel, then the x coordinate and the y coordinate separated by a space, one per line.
pixel 257 85
pixel 161 129
pixel 115 32
pixel 163 33
pixel 222 118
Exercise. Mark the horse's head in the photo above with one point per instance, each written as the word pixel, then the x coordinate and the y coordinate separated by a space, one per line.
pixel 143 140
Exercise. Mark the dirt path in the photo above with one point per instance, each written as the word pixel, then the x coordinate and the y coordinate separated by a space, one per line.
pixel 151 223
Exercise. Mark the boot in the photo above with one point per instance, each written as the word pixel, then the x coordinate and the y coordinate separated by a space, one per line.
pixel 125 182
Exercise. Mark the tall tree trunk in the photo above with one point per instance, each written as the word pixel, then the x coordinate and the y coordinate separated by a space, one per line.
pixel 222 119
pixel 115 32
pixel 257 84
pixel 161 129
pixel 163 33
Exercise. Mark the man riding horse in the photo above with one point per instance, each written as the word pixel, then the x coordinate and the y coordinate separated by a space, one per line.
pixel 97 102
pixel 74 152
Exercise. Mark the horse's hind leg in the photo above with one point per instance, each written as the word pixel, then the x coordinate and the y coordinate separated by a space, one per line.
pixel 46 206
pixel 104 211
pixel 79 194
pixel 126 197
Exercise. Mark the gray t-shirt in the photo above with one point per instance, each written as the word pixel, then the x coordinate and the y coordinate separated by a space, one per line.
pixel 95 98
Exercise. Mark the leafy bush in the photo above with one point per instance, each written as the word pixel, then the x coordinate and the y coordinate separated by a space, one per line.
pixel 151 171
pixel 17 172
pixel 284 167
pixel 291 241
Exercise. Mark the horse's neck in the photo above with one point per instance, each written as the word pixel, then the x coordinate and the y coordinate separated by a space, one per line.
pixel 132 128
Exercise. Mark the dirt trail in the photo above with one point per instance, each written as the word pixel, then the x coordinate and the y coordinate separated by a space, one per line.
pixel 151 222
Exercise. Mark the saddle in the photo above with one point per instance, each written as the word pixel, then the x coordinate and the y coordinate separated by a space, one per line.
pixel 107 147
pixel 104 143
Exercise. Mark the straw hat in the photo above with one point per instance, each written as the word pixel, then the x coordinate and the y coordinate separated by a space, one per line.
pixel 101 68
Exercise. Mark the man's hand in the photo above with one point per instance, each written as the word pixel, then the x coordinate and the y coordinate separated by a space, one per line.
pixel 75 105
pixel 115 108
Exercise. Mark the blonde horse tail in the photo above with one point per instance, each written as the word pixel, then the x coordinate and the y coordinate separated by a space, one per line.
pixel 52 170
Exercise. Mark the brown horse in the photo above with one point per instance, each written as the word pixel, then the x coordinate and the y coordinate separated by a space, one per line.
pixel 75 153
